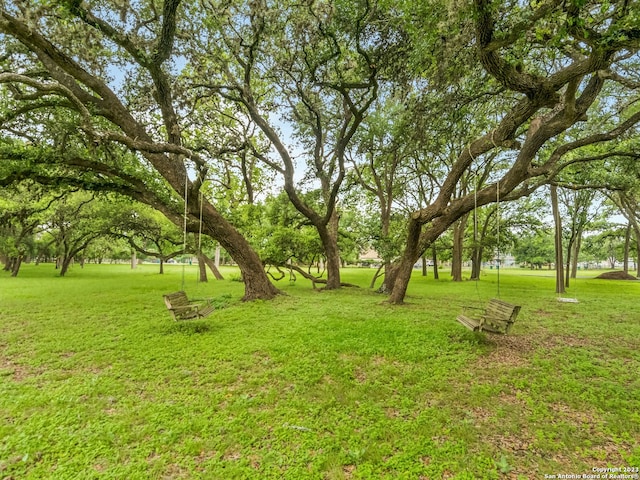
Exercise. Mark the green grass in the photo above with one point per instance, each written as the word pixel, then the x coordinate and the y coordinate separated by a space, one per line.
pixel 96 381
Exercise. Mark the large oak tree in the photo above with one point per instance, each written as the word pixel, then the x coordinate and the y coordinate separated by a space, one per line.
pixel 554 60
pixel 117 67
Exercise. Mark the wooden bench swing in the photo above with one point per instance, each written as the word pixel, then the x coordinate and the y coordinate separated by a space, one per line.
pixel 498 316
pixel 182 308
pixel 178 304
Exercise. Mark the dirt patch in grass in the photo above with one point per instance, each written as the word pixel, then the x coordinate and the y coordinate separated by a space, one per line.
pixel 516 350
pixel 509 351
pixel 576 417
pixel 515 444
pixel 360 375
pixel 618 275
pixel 16 372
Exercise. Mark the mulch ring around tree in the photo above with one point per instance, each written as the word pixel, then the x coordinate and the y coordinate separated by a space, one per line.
pixel 618 275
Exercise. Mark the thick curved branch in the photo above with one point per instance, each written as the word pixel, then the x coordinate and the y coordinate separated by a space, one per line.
pixel 612 134
pixel 169 24
pixel 147 146
pixel 51 87
pixel 507 74
pixel 624 81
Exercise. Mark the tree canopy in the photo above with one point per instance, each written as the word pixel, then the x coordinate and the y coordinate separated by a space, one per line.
pixel 432 109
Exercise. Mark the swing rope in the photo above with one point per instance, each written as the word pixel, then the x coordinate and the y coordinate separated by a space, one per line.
pixel 184 232
pixel 498 231
pixel 475 219
pixel 200 232
pixel 475 233
pixel 200 229
pixel 499 316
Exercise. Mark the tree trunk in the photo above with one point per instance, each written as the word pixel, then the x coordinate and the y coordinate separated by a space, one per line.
pixel 402 278
pixel 458 243
pixel 15 268
pixel 569 259
pixel 476 262
pixel 64 267
pixel 558 240
pixel 329 238
pixel 627 248
pixel 333 266
pixel 134 259
pixel 202 268
pixel 216 262
pixel 478 243
pixel 402 272
pixel 378 273
pixel 424 266
pixel 256 282
pixel 389 278
pixel 577 244
pixel 212 264
pixel 161 266
pixel 434 255
pixel 638 253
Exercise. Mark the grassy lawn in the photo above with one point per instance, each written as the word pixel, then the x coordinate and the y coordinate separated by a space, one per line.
pixel 96 381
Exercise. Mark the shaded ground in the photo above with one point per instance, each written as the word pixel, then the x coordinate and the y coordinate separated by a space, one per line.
pixel 618 275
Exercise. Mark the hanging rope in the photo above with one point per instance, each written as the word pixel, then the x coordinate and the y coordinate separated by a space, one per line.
pixel 475 220
pixel 498 230
pixel 475 233
pixel 200 232
pixel 497 217
pixel 184 232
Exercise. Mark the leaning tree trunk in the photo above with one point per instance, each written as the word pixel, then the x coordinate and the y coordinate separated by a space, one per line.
pixel 256 283
pixel 64 266
pixel 558 240
pixel 402 271
pixel 382 269
pixel 15 268
pixel 212 265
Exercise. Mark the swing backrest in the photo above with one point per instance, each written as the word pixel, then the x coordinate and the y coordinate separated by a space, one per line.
pixel 177 299
pixel 499 316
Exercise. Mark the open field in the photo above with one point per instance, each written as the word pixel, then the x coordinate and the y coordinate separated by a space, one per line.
pixel 96 381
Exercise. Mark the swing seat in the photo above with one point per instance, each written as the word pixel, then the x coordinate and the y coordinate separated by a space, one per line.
pixel 567 300
pixel 182 308
pixel 498 317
